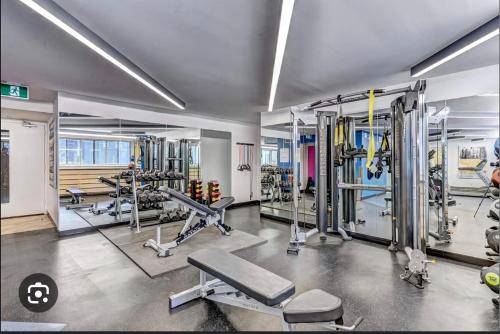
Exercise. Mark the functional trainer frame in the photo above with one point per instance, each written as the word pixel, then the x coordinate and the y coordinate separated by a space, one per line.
pixel 409 181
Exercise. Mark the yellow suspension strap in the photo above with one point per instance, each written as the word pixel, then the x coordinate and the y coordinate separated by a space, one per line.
pixel 339 141
pixel 137 153
pixel 371 140
pixel 385 141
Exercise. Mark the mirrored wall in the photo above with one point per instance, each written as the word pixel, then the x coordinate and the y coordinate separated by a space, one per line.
pixel 96 156
pixel 463 159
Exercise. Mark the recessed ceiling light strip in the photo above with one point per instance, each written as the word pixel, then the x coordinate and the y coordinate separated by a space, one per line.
pixel 103 49
pixel 480 35
pixel 285 19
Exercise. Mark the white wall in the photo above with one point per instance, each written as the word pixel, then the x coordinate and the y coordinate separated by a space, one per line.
pixel 453 150
pixel 28 177
pixel 184 133
pixel 215 162
pixel 240 132
pixel 275 133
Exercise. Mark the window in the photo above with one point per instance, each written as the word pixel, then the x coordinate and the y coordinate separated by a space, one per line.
pixel 269 157
pixel 73 152
pixel 62 151
pixel 124 153
pixel 111 152
pixel 88 152
pixel 100 152
pixel 87 147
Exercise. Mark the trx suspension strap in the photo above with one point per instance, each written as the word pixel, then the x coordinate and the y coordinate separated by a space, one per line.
pixel 371 140
pixel 339 136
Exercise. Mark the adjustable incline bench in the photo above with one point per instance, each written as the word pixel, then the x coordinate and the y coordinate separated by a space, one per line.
pixel 243 284
pixel 213 215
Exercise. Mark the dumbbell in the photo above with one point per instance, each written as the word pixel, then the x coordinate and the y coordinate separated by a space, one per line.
pixel 164 219
pixel 172 216
pixel 159 196
pixel 493 239
pixel 142 198
pixel 183 214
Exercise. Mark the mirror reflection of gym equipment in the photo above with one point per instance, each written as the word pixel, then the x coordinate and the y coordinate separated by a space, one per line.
pixel 94 154
pixel 452 228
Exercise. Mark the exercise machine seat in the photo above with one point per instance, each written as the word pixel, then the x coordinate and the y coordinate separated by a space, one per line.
pixel 313 306
pixel 254 281
pixel 222 204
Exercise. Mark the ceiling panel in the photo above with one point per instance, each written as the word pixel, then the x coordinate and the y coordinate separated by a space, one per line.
pixel 217 55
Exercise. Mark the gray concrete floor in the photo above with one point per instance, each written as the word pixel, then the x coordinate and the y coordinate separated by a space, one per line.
pixel 101 289
pixel 467 236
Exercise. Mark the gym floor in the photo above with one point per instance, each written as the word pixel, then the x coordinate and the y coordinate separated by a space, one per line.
pixel 101 289
pixel 467 236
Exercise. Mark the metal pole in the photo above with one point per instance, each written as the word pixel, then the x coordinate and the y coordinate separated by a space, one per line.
pixel 136 209
pixel 351 140
pixel 334 193
pixel 347 98
pixel 443 225
pixel 423 169
pixel 395 132
pixel 321 175
pixel 295 172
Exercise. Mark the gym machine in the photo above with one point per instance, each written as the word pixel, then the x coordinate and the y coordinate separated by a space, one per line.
pixel 438 193
pixel 409 165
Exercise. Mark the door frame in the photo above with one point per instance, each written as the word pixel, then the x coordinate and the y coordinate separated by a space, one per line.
pixel 7 125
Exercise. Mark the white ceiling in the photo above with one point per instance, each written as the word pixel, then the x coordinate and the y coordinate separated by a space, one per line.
pixel 217 55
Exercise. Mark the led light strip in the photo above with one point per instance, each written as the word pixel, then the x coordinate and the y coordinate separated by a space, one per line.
pixel 285 19
pixel 484 33
pixel 46 14
pixel 92 135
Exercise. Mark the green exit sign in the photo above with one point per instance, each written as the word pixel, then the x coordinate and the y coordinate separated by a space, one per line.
pixel 16 91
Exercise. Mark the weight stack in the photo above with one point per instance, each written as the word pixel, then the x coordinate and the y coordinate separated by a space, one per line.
pixel 196 190
pixel 213 191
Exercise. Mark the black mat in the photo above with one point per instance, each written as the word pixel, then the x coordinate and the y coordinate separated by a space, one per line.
pixel 131 243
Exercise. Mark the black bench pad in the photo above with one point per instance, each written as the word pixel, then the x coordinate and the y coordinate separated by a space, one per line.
pixel 222 204
pixel 254 281
pixel 76 192
pixel 313 306
pixel 183 198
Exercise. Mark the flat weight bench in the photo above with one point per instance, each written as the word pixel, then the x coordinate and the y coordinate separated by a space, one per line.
pixel 243 284
pixel 212 215
pixel 387 209
pixel 77 199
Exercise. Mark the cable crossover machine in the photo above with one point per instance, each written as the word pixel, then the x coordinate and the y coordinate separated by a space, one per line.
pixel 408 164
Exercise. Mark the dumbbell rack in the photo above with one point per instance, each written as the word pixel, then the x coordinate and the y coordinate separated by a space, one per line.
pixel 277 187
pixel 133 198
pixel 129 198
